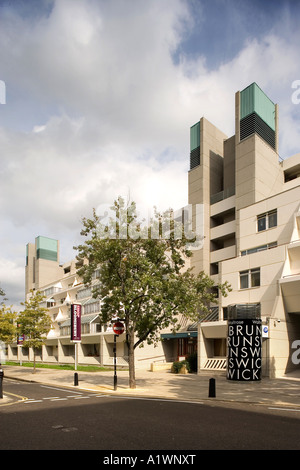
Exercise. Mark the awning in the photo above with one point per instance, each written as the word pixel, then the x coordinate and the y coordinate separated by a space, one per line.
pixel 84 319
pixel 182 334
pixel 192 329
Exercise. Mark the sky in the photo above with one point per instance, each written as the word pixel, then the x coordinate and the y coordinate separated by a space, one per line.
pixel 97 98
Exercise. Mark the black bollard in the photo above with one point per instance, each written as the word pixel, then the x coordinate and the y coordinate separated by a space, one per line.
pixel 75 379
pixel 1 382
pixel 212 388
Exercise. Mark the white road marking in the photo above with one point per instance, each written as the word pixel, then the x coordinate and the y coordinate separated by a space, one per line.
pixel 60 389
pixel 33 401
pixel 283 409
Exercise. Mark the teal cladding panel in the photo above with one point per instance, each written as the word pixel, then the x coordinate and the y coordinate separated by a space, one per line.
pixel 46 248
pixel 195 136
pixel 253 99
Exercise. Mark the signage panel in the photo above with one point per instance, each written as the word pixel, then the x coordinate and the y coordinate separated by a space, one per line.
pixel 75 322
pixel 118 328
pixel 20 339
pixel 244 349
pixel 265 331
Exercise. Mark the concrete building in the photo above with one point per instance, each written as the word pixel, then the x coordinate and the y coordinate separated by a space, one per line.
pixel 62 287
pixel 251 209
pixel 252 230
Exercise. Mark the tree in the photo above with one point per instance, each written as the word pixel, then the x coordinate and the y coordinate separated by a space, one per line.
pixel 2 293
pixel 141 275
pixel 34 323
pixel 7 321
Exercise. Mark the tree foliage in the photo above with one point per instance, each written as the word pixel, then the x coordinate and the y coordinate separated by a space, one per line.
pixel 7 321
pixel 34 322
pixel 143 279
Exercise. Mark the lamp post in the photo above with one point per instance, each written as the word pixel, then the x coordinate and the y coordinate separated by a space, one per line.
pixel 118 329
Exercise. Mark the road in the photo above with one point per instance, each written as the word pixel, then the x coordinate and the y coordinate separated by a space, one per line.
pixel 63 419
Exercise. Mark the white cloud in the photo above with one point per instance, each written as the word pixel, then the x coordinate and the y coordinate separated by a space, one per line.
pixel 13 276
pixel 98 107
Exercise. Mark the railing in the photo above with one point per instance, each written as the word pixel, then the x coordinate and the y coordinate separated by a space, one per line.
pixel 51 290
pixel 215 363
pixel 222 195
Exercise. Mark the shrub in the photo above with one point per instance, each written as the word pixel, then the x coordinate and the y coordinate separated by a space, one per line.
pixel 177 365
pixel 192 362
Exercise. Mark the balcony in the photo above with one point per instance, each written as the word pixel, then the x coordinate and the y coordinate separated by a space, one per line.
pixel 228 192
pixel 51 290
pixel 222 254
pixel 294 252
pixel 290 288
pixel 222 230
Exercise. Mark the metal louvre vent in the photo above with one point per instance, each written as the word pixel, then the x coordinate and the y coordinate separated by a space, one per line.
pixel 244 311
pixel 195 158
pixel 254 124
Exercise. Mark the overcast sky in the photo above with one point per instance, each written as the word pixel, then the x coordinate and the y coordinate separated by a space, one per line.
pixel 100 96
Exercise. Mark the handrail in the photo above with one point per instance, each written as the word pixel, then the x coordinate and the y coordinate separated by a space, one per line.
pixel 220 196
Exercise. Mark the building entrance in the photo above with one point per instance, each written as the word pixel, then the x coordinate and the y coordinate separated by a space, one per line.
pixel 186 346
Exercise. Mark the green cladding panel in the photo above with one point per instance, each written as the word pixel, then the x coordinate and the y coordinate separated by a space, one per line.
pixel 195 145
pixel 46 248
pixel 195 136
pixel 254 100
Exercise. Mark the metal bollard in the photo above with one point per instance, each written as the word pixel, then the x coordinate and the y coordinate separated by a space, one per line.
pixel 212 388
pixel 1 383
pixel 75 379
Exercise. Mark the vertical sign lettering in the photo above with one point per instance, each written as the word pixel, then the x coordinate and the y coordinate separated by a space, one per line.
pixel 76 322
pixel 244 349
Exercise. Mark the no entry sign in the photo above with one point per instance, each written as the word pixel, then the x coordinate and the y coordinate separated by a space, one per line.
pixel 118 328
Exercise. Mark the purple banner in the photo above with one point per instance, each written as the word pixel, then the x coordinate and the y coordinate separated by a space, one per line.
pixel 75 322
pixel 20 339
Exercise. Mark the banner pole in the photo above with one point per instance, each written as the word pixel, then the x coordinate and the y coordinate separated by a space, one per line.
pixel 115 362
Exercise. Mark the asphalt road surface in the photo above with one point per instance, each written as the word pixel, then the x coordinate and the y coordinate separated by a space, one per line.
pixel 53 418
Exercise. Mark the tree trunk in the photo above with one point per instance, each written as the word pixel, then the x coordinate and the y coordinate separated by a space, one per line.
pixel 131 361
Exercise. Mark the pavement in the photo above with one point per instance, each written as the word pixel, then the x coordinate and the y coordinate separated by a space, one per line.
pixel 282 392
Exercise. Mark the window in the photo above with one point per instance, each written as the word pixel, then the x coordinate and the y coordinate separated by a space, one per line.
pixel 258 248
pixel 267 220
pixel 255 277
pixel 92 307
pixel 244 279
pixel 272 219
pixel 250 278
pixel 83 293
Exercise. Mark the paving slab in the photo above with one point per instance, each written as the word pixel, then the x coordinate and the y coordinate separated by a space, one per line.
pixel 166 385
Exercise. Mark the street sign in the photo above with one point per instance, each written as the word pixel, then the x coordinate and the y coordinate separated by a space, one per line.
pixel 118 328
pixel 75 322
pixel 265 331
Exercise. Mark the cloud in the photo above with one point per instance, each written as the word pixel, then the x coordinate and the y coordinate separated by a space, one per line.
pixel 100 98
pixel 14 277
